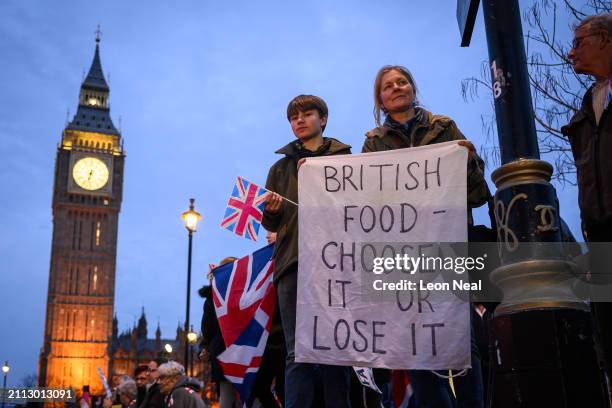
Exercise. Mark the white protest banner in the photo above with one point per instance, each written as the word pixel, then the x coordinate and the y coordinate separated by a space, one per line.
pixel 412 195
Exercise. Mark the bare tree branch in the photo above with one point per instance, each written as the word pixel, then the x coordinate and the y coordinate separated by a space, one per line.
pixel 545 125
pixel 577 14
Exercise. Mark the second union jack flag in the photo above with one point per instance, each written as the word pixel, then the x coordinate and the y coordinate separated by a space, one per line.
pixel 244 299
pixel 244 209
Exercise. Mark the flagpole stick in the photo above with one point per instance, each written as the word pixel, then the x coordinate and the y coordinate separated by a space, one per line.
pixel 284 198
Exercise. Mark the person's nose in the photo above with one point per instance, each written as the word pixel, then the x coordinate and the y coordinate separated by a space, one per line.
pixel 396 87
pixel 571 54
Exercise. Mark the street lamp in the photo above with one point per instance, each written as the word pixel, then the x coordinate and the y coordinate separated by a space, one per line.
pixel 192 338
pixel 5 370
pixel 191 219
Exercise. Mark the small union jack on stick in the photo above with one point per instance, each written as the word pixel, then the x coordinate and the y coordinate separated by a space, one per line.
pixel 245 209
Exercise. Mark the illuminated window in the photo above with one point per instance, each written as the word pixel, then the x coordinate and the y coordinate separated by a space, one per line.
pixel 98 234
pixel 89 334
pixel 95 278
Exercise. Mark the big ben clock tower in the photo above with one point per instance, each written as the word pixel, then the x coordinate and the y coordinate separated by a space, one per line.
pixel 87 196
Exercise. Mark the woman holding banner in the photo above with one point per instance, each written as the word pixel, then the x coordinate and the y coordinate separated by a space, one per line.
pixel 406 124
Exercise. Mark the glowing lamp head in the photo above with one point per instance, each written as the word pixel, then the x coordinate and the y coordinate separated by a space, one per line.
pixel 168 348
pixel 192 338
pixel 5 368
pixel 191 217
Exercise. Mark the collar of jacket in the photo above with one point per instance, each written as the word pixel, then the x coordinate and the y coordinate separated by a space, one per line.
pixel 585 112
pixel 185 382
pixel 423 119
pixel 293 149
pixel 393 124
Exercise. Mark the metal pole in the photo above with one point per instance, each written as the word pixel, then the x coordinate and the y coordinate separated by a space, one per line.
pixel 191 359
pixel 4 390
pixel 541 347
pixel 508 64
pixel 186 360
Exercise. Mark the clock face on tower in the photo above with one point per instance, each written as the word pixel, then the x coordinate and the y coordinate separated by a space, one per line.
pixel 90 173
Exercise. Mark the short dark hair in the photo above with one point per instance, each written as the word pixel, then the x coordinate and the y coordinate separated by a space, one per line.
pixel 140 369
pixel 303 103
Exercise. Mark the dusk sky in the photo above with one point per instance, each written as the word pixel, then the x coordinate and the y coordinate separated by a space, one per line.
pixel 199 90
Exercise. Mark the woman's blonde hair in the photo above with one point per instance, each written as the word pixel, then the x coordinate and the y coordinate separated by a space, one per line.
pixel 378 106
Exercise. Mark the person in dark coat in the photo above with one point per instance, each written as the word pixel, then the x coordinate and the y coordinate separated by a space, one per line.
pixel 212 343
pixel 271 373
pixel 127 391
pixel 141 378
pixel 590 135
pixel 408 125
pixel 180 391
pixel 307 116
pixel 480 321
pixel 153 397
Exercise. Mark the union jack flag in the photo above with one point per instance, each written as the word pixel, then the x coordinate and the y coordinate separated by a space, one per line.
pixel 244 299
pixel 244 209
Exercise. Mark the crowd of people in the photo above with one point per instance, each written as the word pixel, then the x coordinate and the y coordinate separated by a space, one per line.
pixel 158 384
pixel 401 122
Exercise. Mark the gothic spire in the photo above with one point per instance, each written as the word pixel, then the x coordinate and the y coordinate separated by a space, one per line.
pixel 93 112
pixel 115 326
pixel 95 78
pixel 142 325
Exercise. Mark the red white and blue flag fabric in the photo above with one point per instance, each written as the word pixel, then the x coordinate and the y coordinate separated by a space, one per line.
pixel 244 299
pixel 244 209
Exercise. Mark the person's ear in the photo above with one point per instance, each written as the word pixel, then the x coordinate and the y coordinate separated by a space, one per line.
pixel 604 37
pixel 323 121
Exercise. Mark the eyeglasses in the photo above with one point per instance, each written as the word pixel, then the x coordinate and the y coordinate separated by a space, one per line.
pixel 578 40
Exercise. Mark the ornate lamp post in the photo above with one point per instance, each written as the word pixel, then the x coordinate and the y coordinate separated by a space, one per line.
pixel 5 370
pixel 191 219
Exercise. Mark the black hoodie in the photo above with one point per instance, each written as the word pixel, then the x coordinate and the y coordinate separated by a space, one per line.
pixel 212 340
pixel 153 398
